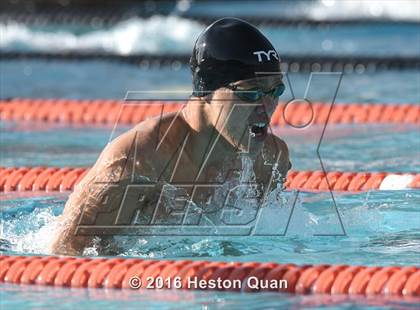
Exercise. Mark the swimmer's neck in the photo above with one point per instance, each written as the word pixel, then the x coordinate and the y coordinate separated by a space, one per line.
pixel 195 115
pixel 203 134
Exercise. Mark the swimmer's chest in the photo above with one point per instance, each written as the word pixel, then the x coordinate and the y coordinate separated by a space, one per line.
pixel 183 170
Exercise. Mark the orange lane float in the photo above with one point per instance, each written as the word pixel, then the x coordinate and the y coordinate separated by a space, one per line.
pixel 295 113
pixel 120 273
pixel 52 179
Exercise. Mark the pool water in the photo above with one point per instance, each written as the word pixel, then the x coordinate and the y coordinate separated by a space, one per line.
pixel 380 227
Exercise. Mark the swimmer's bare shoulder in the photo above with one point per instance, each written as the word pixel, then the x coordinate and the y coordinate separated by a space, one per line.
pixel 135 149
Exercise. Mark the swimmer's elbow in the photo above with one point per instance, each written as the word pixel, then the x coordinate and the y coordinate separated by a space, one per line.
pixel 67 241
pixel 64 244
pixel 65 249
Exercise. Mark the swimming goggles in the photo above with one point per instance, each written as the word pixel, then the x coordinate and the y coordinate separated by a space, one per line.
pixel 255 94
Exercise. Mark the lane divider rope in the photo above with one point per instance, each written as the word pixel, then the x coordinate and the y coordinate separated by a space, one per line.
pixel 121 273
pixel 292 63
pixel 302 113
pixel 52 179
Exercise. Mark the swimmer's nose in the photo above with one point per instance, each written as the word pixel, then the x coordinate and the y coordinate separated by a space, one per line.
pixel 266 106
pixel 260 109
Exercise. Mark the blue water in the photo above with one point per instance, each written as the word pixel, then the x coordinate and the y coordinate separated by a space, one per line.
pixel 380 227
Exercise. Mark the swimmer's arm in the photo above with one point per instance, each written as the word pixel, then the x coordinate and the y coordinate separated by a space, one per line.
pixel 83 202
pixel 87 199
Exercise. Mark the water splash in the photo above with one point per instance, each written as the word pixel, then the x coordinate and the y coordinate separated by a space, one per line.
pixel 156 35
pixel 28 225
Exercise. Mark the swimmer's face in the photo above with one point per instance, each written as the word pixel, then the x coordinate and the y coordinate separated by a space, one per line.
pixel 241 122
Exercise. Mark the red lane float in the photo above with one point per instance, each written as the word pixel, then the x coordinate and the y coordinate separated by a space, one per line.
pixel 52 179
pixel 296 113
pixel 120 273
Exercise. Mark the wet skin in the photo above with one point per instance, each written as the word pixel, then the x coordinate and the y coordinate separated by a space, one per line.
pixel 202 143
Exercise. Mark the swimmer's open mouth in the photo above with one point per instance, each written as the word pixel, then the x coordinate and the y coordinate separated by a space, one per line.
pixel 258 130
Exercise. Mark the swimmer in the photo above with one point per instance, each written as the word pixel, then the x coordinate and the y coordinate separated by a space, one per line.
pixel 236 87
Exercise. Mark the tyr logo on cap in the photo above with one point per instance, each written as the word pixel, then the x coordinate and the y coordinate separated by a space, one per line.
pixel 267 54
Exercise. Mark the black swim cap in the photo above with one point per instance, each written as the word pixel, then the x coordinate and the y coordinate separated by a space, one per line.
pixel 227 51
